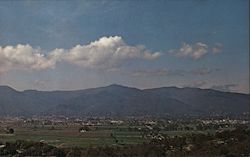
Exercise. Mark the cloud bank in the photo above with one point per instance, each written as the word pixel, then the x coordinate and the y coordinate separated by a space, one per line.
pixel 104 53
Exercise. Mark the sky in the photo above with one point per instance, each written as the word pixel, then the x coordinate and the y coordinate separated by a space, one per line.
pixel 71 45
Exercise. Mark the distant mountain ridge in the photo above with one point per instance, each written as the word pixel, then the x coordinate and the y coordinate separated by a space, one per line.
pixel 117 100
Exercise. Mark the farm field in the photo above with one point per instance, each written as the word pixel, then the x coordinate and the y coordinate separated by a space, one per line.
pixel 71 137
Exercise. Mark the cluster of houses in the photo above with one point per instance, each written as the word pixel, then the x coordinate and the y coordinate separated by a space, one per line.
pixel 134 123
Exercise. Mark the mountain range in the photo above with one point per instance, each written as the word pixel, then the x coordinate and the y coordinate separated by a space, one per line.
pixel 117 100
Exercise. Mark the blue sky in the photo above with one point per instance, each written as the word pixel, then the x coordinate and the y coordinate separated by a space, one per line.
pixel 144 44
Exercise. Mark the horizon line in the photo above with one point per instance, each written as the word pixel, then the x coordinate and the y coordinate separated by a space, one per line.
pixel 120 85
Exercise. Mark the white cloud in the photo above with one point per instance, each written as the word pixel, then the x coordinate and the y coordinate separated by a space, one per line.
pixel 104 53
pixel 217 48
pixel 23 57
pixel 199 50
pixel 194 51
pixel 107 52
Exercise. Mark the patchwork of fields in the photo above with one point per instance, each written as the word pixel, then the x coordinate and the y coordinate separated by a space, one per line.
pixel 70 136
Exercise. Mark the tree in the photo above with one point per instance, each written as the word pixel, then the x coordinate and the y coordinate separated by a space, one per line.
pixel 11 131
